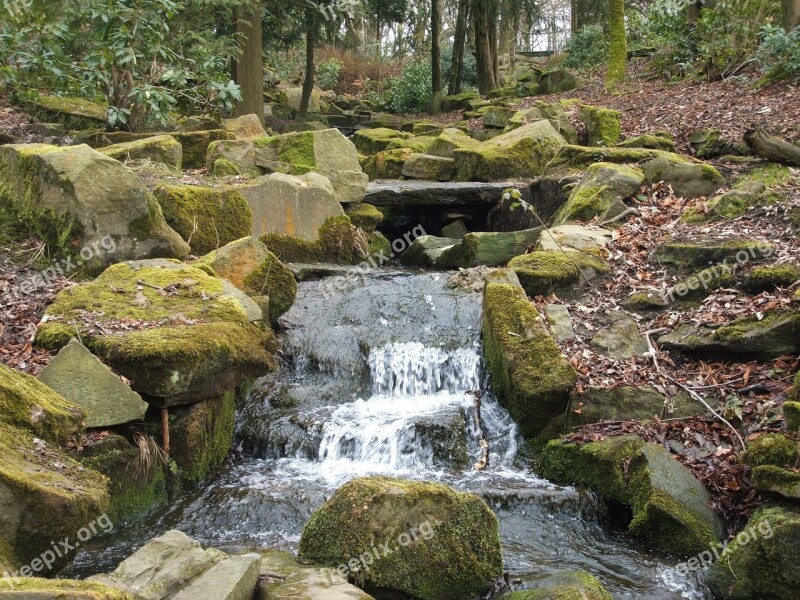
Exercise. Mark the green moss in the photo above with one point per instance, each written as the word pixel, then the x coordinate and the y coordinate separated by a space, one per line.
pixel 763 564
pixel 296 149
pixel 274 279
pixel 379 245
pixel 602 125
pixel 690 255
pixel 767 278
pixel 771 449
pixel 600 187
pixel 27 403
pixel 194 295
pixel 654 142
pixel 644 301
pixel 30 587
pixel 74 113
pixel 195 145
pixel 544 271
pixel 701 284
pixel 577 158
pixel 206 217
pixel 578 585
pixel 419 144
pixel 530 377
pixel 162 148
pixel 225 168
pixel 460 559
pixel 387 164
pixel 203 434
pixel 770 174
pixel 770 478
pixel 338 242
pixel 791 411
pixel 364 216
pixel 372 141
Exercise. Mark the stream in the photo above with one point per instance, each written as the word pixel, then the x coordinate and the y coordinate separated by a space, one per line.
pixel 374 379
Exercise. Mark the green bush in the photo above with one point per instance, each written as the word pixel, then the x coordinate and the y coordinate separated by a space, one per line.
pixel 412 91
pixel 329 73
pixel 587 48
pixel 779 53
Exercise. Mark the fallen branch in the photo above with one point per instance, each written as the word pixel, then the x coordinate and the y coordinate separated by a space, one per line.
pixel 771 147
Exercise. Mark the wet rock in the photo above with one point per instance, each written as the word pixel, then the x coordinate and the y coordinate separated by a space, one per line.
pixel 454 549
pixel 98 200
pixel 759 563
pixel 161 148
pixel 522 152
pixel 455 230
pixel 299 580
pixel 233 578
pixel 603 184
pixel 488 248
pixel 670 508
pixel 427 250
pixel 531 378
pixel 575 584
pixel 81 378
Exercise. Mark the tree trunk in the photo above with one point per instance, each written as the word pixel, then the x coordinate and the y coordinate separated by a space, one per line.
pixel 459 42
pixel 485 52
pixel 773 148
pixel 249 68
pixel 618 50
pixel 308 82
pixel 436 57
pixel 791 14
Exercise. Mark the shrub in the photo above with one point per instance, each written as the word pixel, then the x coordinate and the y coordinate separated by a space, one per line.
pixel 362 72
pixel 779 53
pixel 412 91
pixel 328 73
pixel 587 48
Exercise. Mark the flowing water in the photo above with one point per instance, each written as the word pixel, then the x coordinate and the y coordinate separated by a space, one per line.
pixel 377 379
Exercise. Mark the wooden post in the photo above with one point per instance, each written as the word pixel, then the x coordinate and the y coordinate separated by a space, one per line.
pixel 165 430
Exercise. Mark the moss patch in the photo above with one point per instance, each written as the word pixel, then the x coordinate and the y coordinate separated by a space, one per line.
pixel 578 585
pixel 544 271
pixel 570 158
pixel 364 216
pixel 530 377
pixel 602 125
pixel 272 278
pixel 767 278
pixel 206 217
pixel 338 242
pixel 61 588
pixel 771 449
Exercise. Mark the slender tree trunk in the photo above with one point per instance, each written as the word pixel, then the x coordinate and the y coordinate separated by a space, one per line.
pixel 459 42
pixel 249 68
pixel 618 51
pixel 485 51
pixel 308 82
pixel 436 57
pixel 791 14
pixel 573 17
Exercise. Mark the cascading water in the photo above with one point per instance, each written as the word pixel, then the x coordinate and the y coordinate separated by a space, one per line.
pixel 379 379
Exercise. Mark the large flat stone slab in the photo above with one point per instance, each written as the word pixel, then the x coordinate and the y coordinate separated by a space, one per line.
pixel 81 378
pixel 233 578
pixel 434 193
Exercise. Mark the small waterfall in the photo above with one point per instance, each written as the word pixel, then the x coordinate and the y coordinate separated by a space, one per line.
pixel 411 383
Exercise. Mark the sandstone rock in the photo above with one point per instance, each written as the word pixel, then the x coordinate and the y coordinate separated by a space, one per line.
pixel 602 125
pixel 688 179
pixel 620 339
pixel 301 581
pixel 602 184
pixel 161 148
pixel 246 127
pixel 423 166
pixel 545 271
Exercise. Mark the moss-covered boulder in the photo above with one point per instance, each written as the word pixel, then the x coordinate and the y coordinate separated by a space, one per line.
pixel 459 101
pixel 575 585
pixel 531 378
pixel 450 140
pixel 246 159
pixel 427 167
pixel 699 285
pixel 687 178
pixel 178 334
pixel 161 148
pixel 420 144
pixel 709 143
pixel 364 216
pixel 338 242
pixel 325 152
pixel 771 449
pixel 445 544
pixel 776 334
pixel 387 164
pixel 598 189
pixel 207 217
pixel 523 152
pixel 553 112
pixel 371 141
pixel 557 81
pixel 195 145
pixel 496 117
pixel 670 508
pixel 74 113
pixel 45 495
pixel 602 125
pixel 488 248
pixel 654 142
pixel 250 266
pixel 761 561
pixel 700 252
pixel 78 200
pixel 571 159
pixel 58 589
pixel 768 278
pixel 290 205
pixel 545 271
pixel 136 480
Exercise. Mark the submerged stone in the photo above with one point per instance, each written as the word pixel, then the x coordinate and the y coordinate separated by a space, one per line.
pixel 578 585
pixel 299 580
